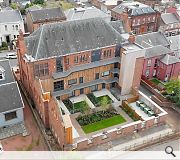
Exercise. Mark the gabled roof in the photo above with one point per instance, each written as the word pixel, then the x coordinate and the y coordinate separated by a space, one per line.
pixel 4 64
pixel 151 39
pixel 169 18
pixel 7 16
pixel 168 59
pixel 10 98
pixel 133 8
pixel 157 51
pixel 48 14
pixel 85 13
pixel 68 37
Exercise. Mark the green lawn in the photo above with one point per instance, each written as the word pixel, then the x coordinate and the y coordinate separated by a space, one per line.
pixel 118 119
pixel 101 98
pixel 155 81
pixel 78 107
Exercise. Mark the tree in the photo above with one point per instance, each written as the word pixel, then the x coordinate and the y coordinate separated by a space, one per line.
pixel 172 85
pixel 104 103
pixel 14 5
pixel 173 90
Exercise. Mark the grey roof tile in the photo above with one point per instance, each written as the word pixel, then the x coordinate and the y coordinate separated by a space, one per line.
pixel 157 51
pixel 4 64
pixel 168 59
pixel 68 37
pixel 169 18
pixel 133 8
pixel 7 16
pixel 152 39
pixel 10 97
pixel 46 14
pixel 85 13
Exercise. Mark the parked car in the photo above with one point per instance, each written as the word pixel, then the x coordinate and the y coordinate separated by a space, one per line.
pixel 1 148
pixel 11 56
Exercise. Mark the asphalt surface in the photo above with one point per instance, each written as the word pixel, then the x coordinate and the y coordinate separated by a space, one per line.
pixel 175 144
pixel 13 62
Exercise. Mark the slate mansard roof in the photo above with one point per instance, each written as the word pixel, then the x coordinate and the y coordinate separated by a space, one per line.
pixel 10 98
pixel 68 37
pixel 7 16
pixel 48 14
pixel 152 39
pixel 133 8
pixel 85 13
pixel 169 18
pixel 4 64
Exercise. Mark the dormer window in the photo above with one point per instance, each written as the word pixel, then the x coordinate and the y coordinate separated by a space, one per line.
pixel 2 73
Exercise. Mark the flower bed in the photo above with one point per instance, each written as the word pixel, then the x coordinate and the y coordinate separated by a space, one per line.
pixel 93 99
pixel 76 107
pixel 99 120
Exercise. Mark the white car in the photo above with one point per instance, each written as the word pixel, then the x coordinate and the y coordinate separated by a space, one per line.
pixel 11 56
pixel 1 148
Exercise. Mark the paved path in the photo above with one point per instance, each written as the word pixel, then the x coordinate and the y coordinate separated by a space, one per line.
pixel 160 147
pixel 141 140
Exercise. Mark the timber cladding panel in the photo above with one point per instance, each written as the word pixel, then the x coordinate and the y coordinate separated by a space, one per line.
pixel 88 75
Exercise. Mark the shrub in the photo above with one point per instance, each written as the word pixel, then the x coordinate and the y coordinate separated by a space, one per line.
pixel 4 44
pixel 93 99
pixel 95 117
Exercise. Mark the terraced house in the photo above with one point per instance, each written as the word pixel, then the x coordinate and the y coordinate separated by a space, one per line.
pixel 141 18
pixel 67 59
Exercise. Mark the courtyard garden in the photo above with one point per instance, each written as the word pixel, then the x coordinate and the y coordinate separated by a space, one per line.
pixel 76 107
pixel 99 120
pixel 99 101
pixel 172 91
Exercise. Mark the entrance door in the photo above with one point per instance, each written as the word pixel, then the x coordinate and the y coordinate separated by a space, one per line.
pixel 7 39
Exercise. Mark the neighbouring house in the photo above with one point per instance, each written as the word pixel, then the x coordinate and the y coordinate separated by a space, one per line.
pixel 105 5
pixel 169 67
pixel 141 18
pixel 170 24
pixel 11 22
pixel 160 49
pixel 175 44
pixel 58 61
pixel 151 3
pixel 85 13
pixel 152 57
pixel 36 18
pixel 11 108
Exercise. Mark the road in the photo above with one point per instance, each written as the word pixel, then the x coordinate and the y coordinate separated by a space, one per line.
pixel 13 62
pixel 175 144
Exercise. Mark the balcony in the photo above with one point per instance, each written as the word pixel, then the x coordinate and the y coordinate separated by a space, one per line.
pixel 84 85
pixel 86 66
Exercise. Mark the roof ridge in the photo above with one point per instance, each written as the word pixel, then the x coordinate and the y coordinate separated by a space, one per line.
pixel 42 27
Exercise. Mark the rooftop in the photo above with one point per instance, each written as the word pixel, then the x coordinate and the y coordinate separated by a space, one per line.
pixel 169 18
pixel 4 65
pixel 7 16
pixel 152 39
pixel 85 13
pixel 168 59
pixel 133 8
pixel 10 98
pixel 157 51
pixel 46 14
pixel 70 37
pixel 119 26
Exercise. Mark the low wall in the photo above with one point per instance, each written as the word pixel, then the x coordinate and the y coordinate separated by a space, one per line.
pixel 116 133
pixel 151 89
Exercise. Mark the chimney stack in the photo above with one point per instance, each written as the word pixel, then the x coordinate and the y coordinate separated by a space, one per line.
pixel 131 38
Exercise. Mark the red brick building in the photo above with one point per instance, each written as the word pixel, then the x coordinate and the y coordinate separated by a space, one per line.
pixel 141 18
pixel 66 59
pixel 38 17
